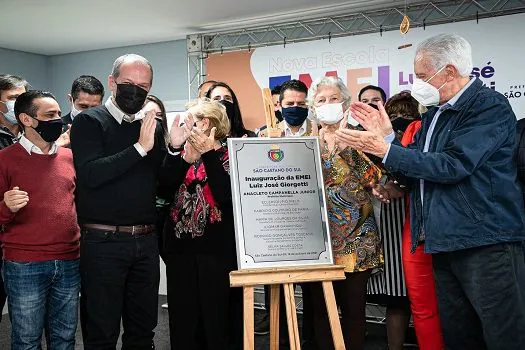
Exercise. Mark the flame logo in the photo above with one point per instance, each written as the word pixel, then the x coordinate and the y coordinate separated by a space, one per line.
pixel 276 155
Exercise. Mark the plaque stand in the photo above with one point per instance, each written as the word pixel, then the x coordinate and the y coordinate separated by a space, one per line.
pixel 287 276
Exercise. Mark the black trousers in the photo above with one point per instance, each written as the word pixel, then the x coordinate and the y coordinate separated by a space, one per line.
pixel 350 295
pixel 481 297
pixel 204 312
pixel 120 281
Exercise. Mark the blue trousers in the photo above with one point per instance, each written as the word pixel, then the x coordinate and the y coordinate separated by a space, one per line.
pixel 40 293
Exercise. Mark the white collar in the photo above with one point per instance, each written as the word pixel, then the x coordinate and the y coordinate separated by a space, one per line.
pixel 302 130
pixel 119 115
pixel 30 147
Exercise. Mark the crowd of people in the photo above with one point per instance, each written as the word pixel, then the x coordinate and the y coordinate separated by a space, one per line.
pixel 425 209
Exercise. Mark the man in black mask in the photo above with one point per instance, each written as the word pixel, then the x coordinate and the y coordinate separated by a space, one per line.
pixel 117 151
pixel 294 109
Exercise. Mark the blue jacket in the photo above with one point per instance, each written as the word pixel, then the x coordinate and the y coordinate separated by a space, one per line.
pixel 471 196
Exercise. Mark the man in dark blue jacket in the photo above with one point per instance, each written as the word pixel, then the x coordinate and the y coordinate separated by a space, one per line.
pixel 466 203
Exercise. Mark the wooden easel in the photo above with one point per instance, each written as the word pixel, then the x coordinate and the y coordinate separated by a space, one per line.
pixel 271 120
pixel 276 277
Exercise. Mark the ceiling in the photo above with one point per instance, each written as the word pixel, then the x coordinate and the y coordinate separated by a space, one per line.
pixel 52 27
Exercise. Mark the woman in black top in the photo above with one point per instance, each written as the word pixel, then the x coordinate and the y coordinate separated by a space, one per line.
pixel 204 312
pixel 221 92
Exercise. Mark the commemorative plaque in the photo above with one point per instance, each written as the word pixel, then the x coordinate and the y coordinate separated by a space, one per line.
pixel 279 202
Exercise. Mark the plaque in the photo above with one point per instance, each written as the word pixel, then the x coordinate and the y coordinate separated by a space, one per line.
pixel 279 202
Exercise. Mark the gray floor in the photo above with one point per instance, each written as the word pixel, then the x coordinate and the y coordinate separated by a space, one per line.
pixel 375 337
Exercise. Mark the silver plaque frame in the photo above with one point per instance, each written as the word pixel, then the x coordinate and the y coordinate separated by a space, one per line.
pixel 279 202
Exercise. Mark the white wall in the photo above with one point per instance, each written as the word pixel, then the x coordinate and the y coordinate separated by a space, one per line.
pixel 170 79
pixel 34 68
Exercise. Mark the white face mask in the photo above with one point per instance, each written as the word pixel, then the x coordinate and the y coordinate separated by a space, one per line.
pixel 74 111
pixel 329 113
pixel 10 114
pixel 425 93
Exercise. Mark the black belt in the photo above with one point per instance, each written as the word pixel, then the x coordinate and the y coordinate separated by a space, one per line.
pixel 136 230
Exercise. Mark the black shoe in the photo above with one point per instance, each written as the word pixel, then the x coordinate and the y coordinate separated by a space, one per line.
pixel 263 326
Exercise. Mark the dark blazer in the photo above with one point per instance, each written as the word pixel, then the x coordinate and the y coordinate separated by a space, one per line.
pixel 67 121
pixel 472 195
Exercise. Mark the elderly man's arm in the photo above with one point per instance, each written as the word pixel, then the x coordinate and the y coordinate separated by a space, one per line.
pixel 490 127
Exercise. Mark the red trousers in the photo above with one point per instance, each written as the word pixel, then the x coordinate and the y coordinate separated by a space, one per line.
pixel 420 284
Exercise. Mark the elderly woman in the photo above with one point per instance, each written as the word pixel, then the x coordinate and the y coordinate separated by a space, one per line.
pixel 349 176
pixel 199 237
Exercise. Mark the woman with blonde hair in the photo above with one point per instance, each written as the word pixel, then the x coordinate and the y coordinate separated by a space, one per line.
pixel 199 236
pixel 349 176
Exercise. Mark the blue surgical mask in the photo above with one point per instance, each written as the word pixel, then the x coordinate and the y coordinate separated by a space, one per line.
pixel 294 116
pixel 10 114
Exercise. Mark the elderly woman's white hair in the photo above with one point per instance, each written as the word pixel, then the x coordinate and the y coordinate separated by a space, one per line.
pixel 445 49
pixel 328 81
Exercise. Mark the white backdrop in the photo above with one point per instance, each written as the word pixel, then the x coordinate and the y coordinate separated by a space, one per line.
pixel 497 46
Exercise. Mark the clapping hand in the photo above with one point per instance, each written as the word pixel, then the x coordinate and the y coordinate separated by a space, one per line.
pixel 147 131
pixel 376 121
pixel 201 142
pixel 179 133
pixel 16 199
pixel 365 141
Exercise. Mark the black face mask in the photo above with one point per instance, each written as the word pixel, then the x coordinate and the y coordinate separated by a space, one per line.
pixel 295 116
pixel 230 110
pixel 49 130
pixel 400 124
pixel 279 116
pixel 130 98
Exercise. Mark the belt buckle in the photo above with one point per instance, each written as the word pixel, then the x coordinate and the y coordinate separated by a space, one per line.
pixel 133 230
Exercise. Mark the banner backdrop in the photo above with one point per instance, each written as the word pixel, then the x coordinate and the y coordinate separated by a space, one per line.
pixel 497 48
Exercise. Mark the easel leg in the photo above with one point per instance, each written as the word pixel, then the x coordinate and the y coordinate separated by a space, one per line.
pixel 333 316
pixel 274 316
pixel 291 316
pixel 248 318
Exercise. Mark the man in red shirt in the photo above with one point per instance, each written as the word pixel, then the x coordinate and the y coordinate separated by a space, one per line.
pixel 41 236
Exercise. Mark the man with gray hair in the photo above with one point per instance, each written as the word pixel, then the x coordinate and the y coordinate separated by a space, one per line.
pixel 466 203
pixel 117 152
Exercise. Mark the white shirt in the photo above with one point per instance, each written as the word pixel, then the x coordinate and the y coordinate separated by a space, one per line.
pixel 30 147
pixel 301 132
pixel 121 116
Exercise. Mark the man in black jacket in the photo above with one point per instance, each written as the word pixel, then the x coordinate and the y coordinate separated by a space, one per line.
pixel 117 151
